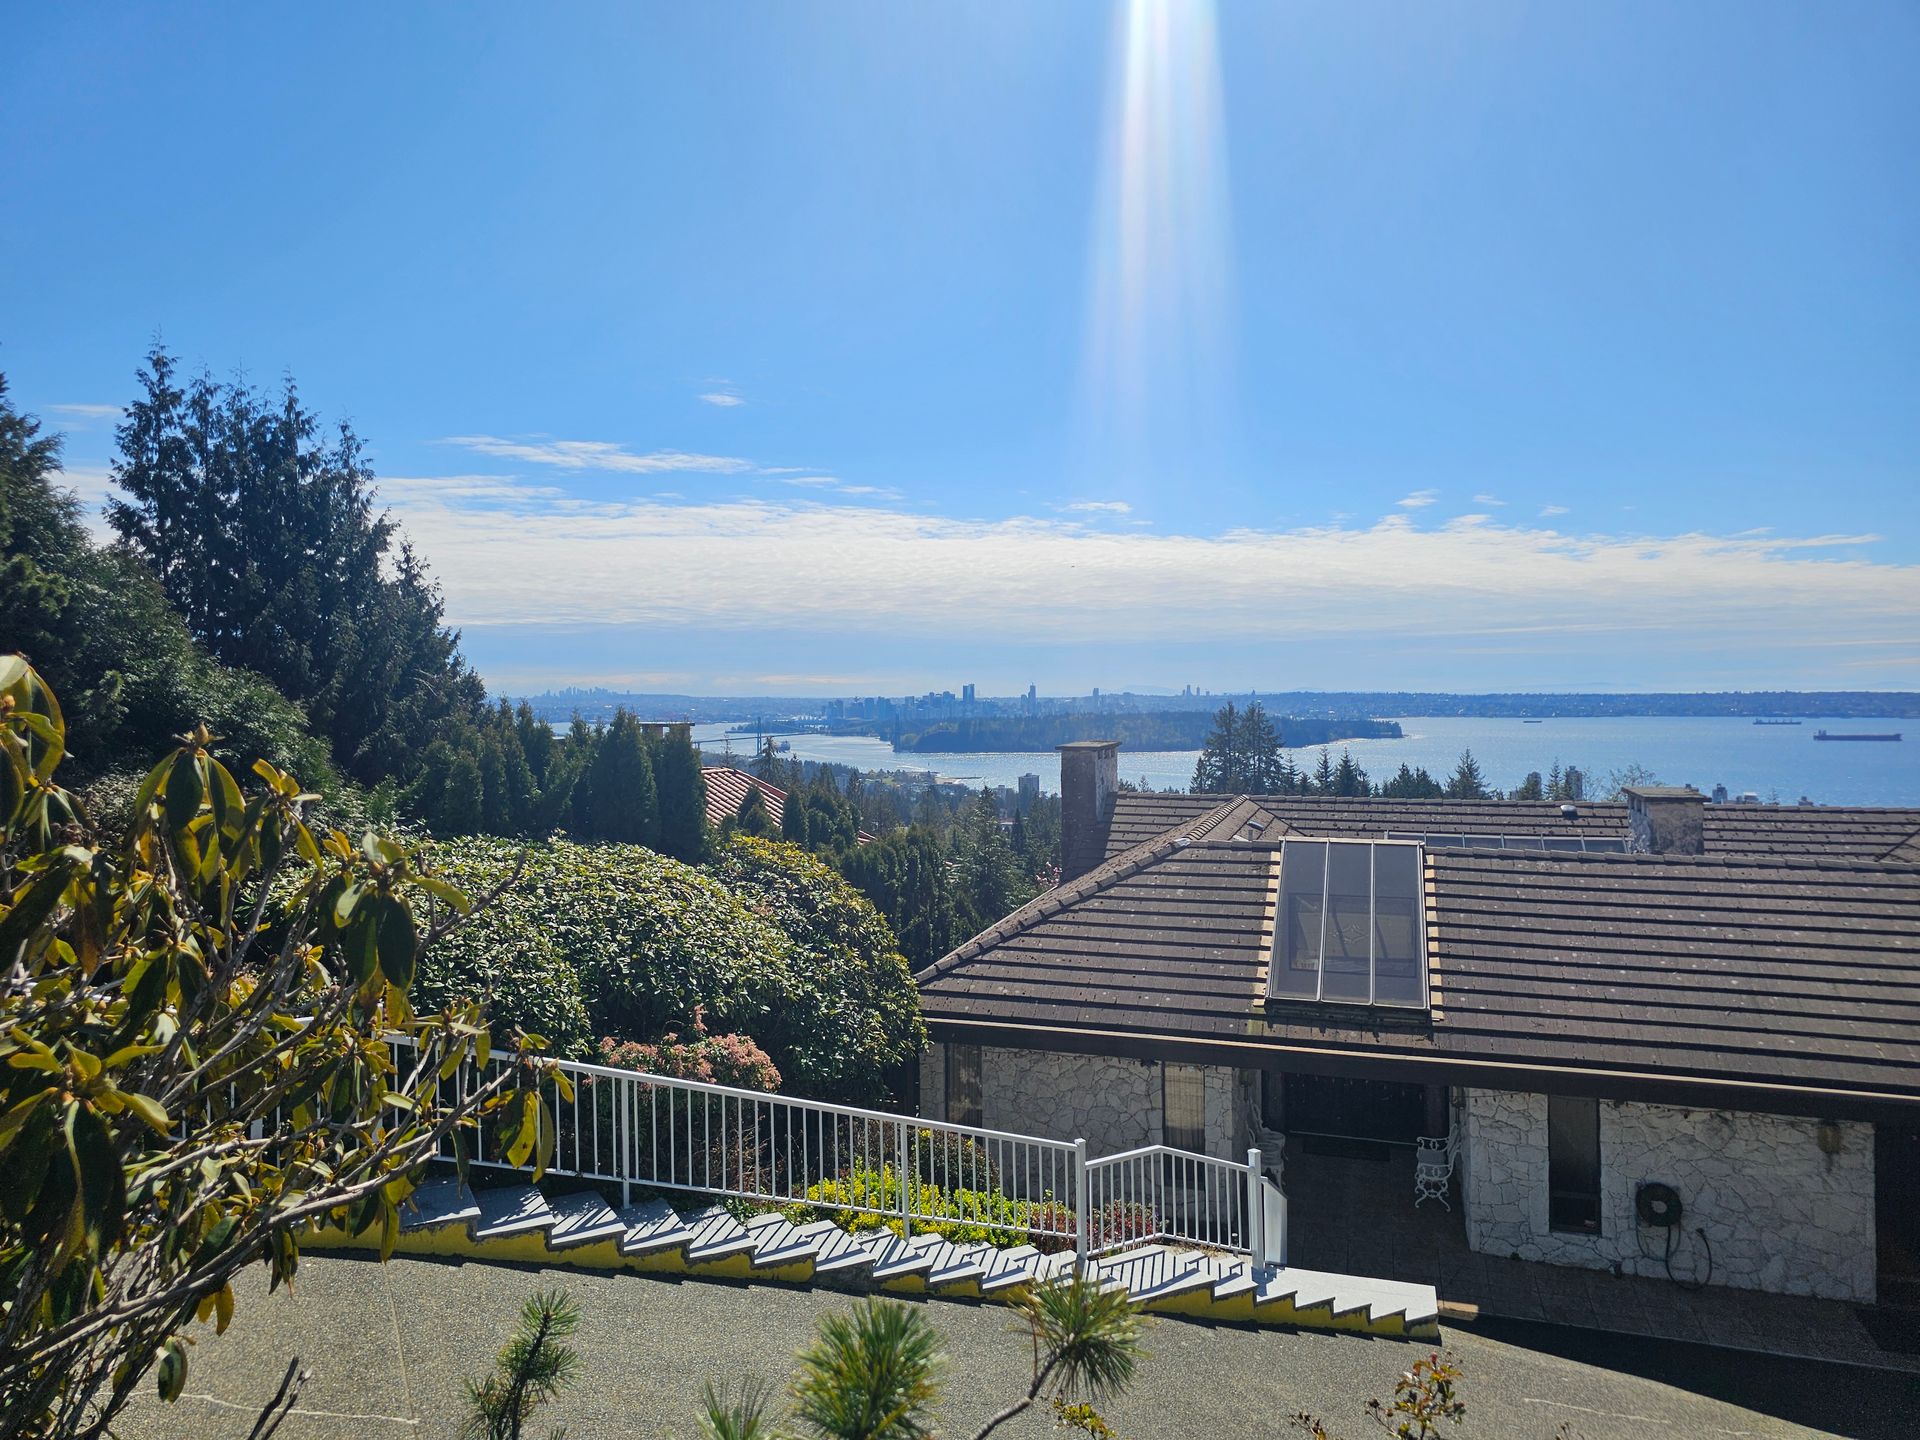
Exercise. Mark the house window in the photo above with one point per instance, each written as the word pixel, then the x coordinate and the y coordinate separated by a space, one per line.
pixel 1573 1164
pixel 1183 1107
pixel 1349 924
pixel 963 1084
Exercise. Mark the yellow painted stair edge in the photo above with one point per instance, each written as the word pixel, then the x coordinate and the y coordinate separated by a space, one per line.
pixel 531 1248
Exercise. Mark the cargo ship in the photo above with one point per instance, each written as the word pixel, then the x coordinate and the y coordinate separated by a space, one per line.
pixel 1825 735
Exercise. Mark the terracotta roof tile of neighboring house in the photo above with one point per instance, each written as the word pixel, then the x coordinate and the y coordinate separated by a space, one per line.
pixel 727 790
pixel 1786 984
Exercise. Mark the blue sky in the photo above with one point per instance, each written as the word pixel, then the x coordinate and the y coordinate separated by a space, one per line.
pixel 872 347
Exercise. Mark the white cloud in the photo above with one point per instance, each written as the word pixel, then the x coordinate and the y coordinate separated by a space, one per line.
pixel 837 569
pixel 1097 507
pixel 836 485
pixel 92 483
pixel 1547 512
pixel 87 412
pixel 1488 500
pixel 599 455
pixel 1418 500
pixel 726 399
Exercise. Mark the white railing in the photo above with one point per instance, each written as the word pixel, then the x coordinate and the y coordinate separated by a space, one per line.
pixel 662 1133
pixel 1159 1193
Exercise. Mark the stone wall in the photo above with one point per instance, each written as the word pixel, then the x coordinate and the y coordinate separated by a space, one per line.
pixel 1112 1104
pixel 1786 1204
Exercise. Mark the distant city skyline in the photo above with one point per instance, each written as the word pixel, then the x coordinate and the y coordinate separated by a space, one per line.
pixel 843 349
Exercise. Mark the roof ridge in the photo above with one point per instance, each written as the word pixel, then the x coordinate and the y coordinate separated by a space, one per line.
pixel 1743 860
pixel 1081 887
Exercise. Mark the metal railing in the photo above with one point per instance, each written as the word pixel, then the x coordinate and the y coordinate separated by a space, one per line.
pixel 663 1133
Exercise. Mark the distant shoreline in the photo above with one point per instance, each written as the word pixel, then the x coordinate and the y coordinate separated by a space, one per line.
pixel 914 712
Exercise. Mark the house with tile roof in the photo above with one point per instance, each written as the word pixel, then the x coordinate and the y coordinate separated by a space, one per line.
pixel 1657 1037
pixel 727 789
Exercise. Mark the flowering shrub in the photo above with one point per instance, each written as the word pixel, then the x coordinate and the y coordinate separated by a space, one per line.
pixel 964 1216
pixel 1118 1222
pixel 714 1059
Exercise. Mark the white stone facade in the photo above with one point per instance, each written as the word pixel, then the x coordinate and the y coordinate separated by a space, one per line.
pixel 1786 1204
pixel 1112 1104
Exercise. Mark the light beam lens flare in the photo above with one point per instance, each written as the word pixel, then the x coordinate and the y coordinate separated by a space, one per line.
pixel 1157 346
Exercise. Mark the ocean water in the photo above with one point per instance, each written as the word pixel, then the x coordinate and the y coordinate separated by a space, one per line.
pixel 1781 762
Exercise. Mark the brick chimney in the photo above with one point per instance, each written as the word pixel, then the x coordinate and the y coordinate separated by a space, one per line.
pixel 1089 776
pixel 1666 820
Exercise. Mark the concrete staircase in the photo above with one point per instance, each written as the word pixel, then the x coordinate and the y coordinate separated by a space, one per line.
pixel 519 1223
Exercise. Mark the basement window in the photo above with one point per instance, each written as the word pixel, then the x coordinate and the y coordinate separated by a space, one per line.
pixel 1350 924
pixel 963 1084
pixel 1573 1164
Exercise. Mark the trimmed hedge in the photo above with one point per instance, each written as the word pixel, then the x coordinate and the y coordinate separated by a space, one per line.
pixel 598 941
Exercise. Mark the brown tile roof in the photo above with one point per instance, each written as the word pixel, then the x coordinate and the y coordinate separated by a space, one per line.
pixel 727 791
pixel 1837 831
pixel 1771 984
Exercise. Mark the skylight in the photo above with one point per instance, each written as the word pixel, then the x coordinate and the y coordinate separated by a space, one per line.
pixel 1572 844
pixel 1350 925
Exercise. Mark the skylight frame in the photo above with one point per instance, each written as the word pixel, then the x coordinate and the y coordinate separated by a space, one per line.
pixel 1280 960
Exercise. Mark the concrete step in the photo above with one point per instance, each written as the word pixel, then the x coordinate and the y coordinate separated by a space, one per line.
pixel 777 1241
pixel 510 1210
pixel 716 1236
pixel 838 1253
pixel 652 1226
pixel 1008 1268
pixel 1159 1272
pixel 957 1264
pixel 894 1258
pixel 438 1203
pixel 583 1219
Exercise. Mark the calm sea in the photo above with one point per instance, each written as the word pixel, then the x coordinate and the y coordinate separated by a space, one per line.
pixel 1781 762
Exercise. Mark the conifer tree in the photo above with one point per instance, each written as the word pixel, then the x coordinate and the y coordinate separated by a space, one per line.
pixel 1323 774
pixel 621 801
pixel 1349 780
pixel 752 817
pixel 1467 782
pixel 682 788
pixel 793 819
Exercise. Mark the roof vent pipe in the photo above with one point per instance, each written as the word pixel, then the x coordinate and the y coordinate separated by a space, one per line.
pixel 1569 812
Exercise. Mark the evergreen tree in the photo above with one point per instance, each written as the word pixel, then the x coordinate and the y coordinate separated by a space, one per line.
pixel 682 787
pixel 991 885
pixel 1412 785
pixel 1531 788
pixel 262 534
pixel 1467 782
pixel 621 801
pixel 793 819
pixel 1323 774
pixel 766 764
pixel 1221 768
pixel 93 620
pixel 460 809
pixel 1259 748
pixel 752 817
pixel 1349 779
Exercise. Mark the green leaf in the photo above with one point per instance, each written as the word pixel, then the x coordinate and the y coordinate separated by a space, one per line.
pixel 172 1374
pixel 440 890
pixel 397 943
pixel 148 1109
pixel 183 790
pixel 344 903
